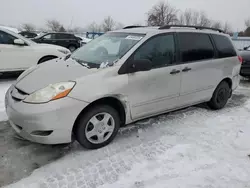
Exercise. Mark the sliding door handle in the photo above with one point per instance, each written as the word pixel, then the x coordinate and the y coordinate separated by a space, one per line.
pixel 186 69
pixel 174 71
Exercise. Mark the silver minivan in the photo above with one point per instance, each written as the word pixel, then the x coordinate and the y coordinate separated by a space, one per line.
pixel 121 77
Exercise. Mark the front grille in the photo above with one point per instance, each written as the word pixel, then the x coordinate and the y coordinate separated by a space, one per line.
pixel 18 94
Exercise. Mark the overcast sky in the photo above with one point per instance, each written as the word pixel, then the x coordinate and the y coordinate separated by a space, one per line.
pixel 83 12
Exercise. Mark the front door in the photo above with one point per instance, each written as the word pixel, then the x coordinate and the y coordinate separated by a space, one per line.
pixel 157 90
pixel 13 57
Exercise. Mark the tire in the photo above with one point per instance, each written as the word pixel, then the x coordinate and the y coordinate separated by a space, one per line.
pixel 44 59
pixel 220 96
pixel 97 134
pixel 72 48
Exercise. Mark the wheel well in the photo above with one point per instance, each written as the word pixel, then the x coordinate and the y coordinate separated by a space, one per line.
pixel 45 57
pixel 229 81
pixel 111 101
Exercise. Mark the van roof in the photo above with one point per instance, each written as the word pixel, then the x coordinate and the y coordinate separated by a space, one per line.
pixel 170 28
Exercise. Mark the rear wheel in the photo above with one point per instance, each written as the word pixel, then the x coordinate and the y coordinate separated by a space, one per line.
pixel 97 127
pixel 220 96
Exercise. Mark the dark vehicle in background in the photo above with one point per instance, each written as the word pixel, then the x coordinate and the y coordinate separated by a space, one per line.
pixel 245 67
pixel 66 40
pixel 28 34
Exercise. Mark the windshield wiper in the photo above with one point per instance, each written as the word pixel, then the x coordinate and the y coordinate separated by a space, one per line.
pixel 81 62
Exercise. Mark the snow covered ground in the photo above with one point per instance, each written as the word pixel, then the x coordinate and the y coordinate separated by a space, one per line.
pixel 195 147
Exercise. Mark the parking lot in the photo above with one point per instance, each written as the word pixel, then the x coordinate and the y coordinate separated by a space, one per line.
pixel 194 143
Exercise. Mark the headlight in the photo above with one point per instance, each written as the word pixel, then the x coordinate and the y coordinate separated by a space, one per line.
pixel 51 92
pixel 64 51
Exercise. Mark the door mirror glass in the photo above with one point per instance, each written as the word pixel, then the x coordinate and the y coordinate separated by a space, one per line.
pixel 139 65
pixel 19 42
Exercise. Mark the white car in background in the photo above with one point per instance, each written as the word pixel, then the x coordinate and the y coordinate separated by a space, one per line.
pixel 18 53
pixel 84 40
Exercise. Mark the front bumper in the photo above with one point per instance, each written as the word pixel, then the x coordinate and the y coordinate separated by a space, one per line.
pixel 245 70
pixel 49 123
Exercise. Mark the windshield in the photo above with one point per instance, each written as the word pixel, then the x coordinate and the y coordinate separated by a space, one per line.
pixel 107 48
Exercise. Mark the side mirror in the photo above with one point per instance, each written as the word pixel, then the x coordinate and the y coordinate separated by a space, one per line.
pixel 19 42
pixel 139 65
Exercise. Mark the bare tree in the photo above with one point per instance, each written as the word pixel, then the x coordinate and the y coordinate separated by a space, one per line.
pixel 119 25
pixel 108 24
pixel 193 17
pixel 247 32
pixel 94 27
pixel 28 27
pixel 227 28
pixel 62 29
pixel 217 25
pixel 54 25
pixel 204 20
pixel 162 14
pixel 247 22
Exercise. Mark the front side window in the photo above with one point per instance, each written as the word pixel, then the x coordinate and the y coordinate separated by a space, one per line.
pixel 224 46
pixel 106 49
pixel 195 47
pixel 6 38
pixel 160 50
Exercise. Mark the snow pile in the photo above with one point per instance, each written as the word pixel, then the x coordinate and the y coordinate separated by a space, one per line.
pixel 3 89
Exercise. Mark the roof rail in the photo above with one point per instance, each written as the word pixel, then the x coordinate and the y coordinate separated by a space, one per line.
pixel 132 26
pixel 191 26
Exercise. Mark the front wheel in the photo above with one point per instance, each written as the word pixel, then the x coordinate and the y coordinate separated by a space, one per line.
pixel 220 96
pixel 97 127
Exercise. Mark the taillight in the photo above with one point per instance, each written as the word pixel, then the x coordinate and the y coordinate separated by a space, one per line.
pixel 240 59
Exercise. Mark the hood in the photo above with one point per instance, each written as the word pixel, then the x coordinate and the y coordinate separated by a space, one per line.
pixel 51 72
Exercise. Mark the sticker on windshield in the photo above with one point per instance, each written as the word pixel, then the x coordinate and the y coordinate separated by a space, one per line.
pixel 130 37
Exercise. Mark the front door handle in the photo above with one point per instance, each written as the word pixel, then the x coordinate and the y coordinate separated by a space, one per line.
pixel 174 71
pixel 186 69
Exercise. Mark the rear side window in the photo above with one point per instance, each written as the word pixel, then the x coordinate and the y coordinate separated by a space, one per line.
pixel 64 36
pixel 195 47
pixel 224 46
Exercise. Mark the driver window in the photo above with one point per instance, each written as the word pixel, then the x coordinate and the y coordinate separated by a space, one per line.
pixel 6 38
pixel 160 50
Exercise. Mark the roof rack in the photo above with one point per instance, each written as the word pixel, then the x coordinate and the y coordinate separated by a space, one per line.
pixel 132 26
pixel 191 26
